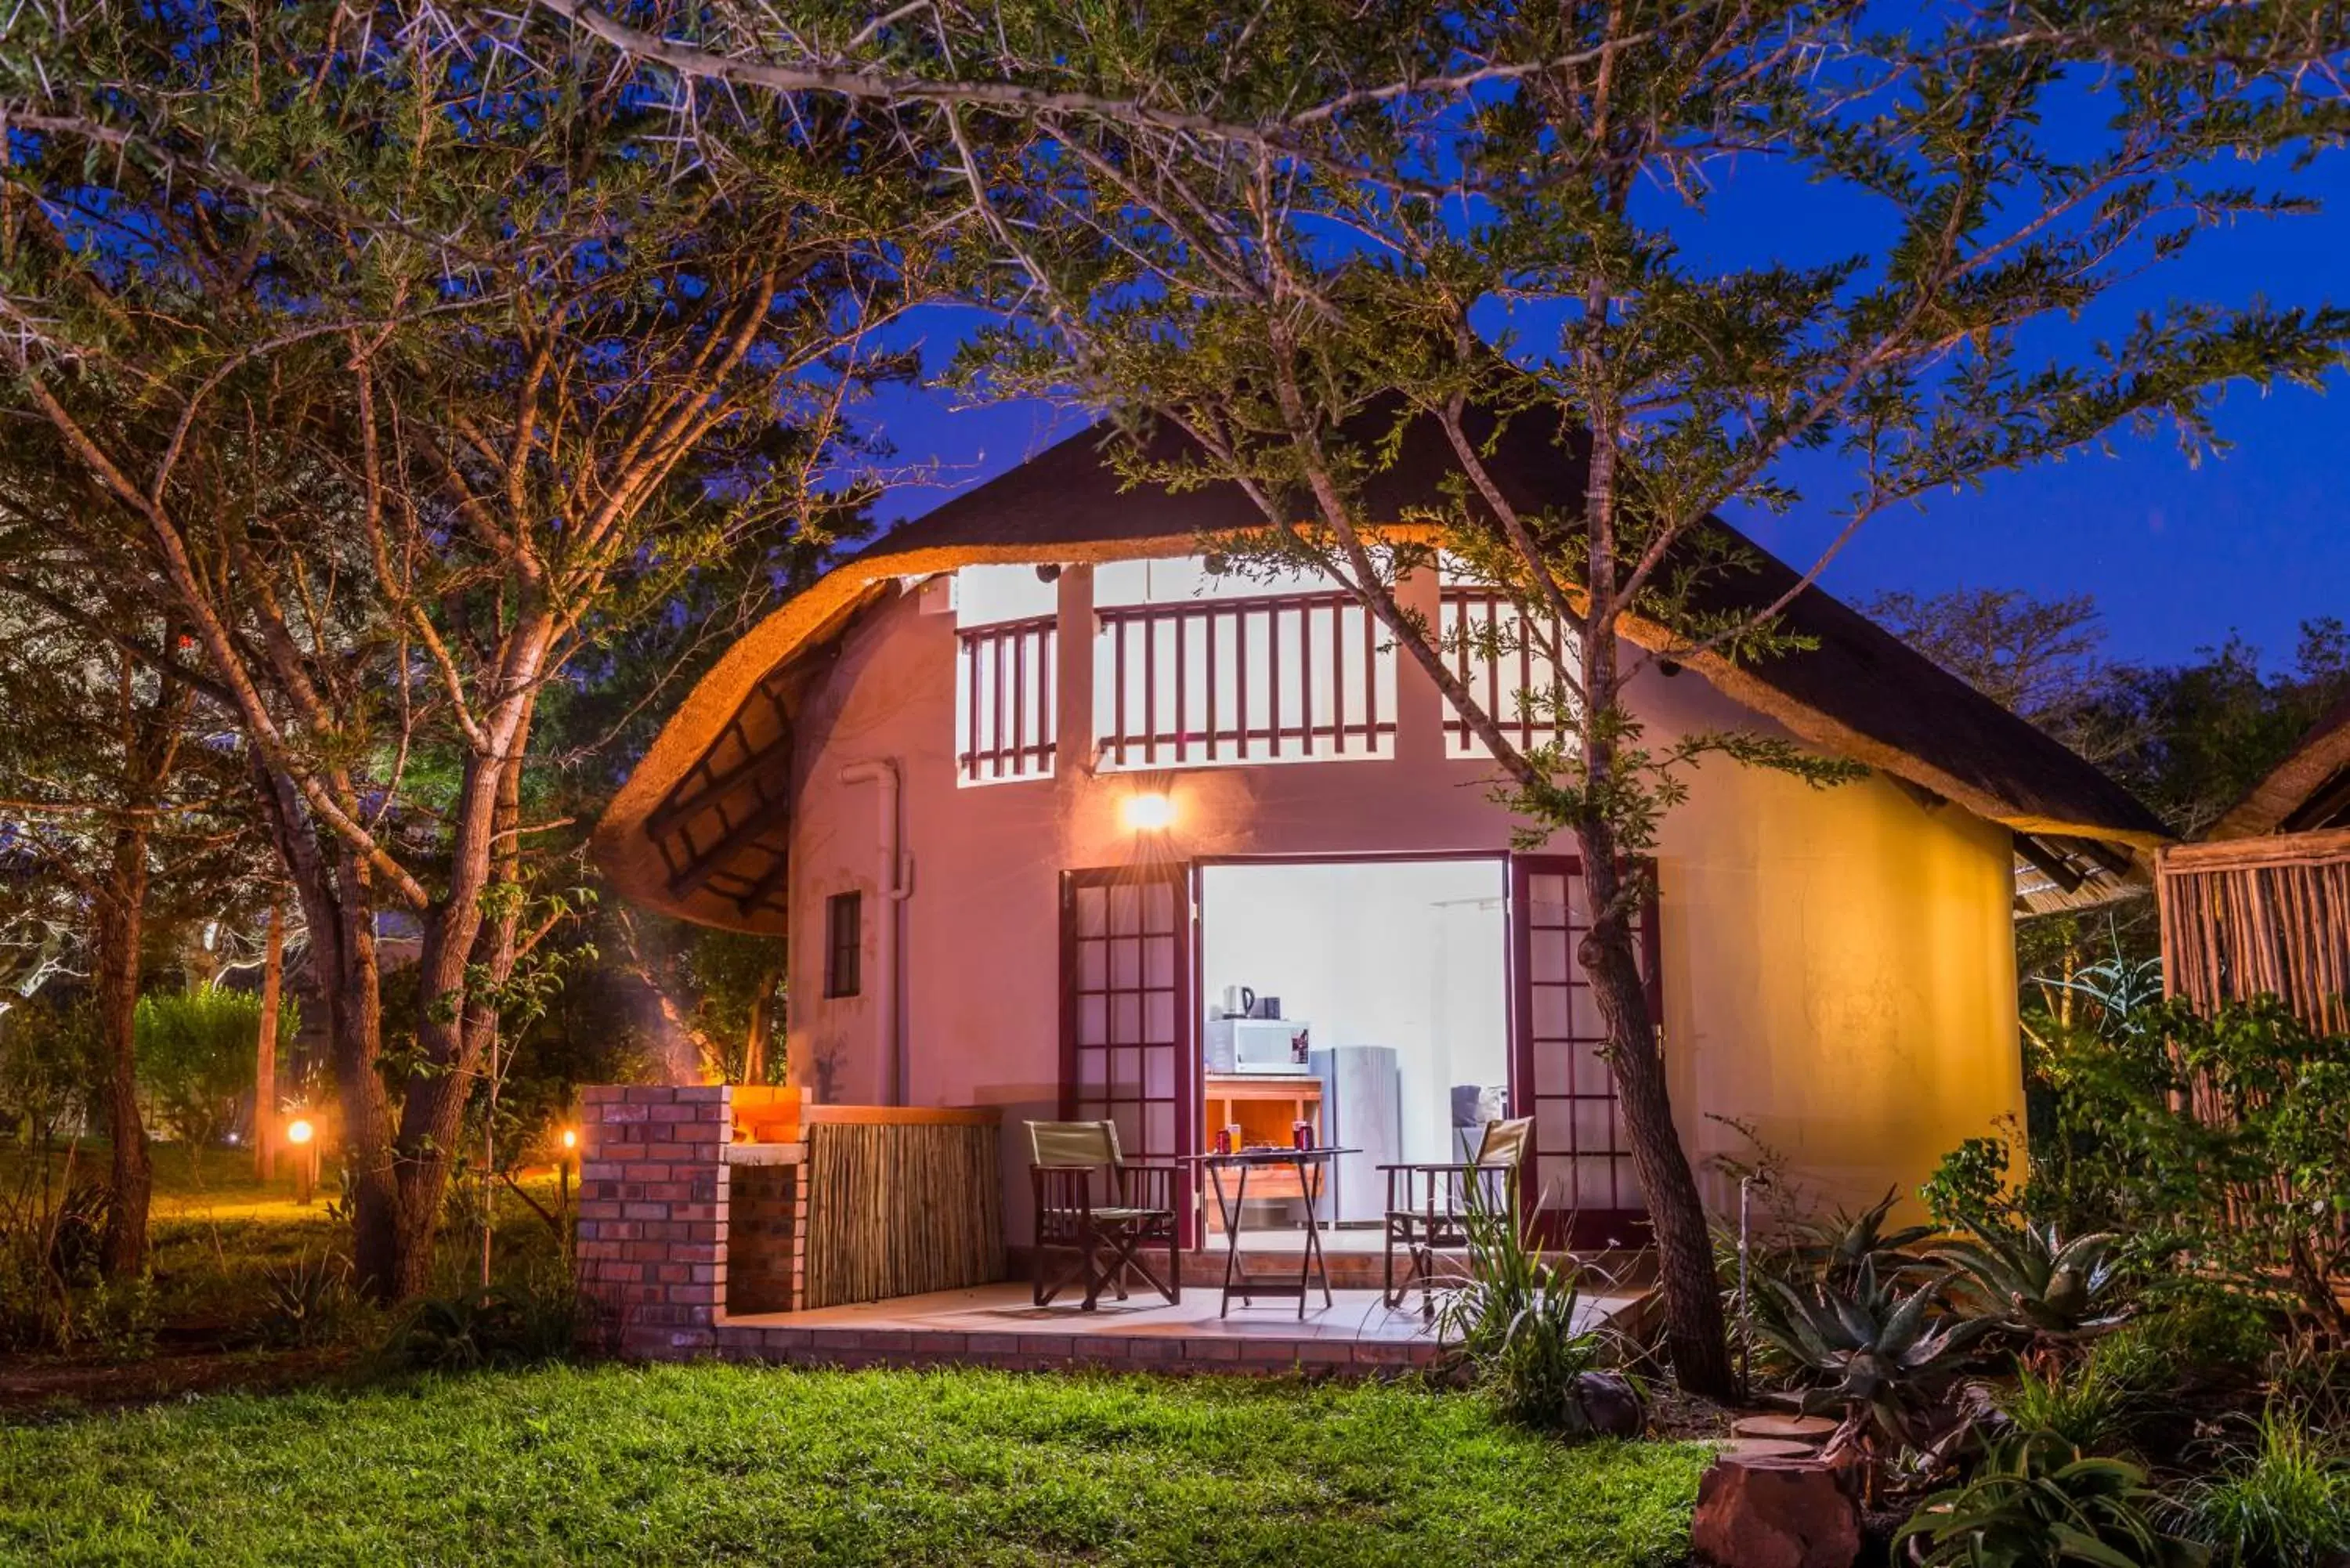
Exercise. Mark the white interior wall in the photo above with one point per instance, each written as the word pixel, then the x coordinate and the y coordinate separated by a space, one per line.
pixel 1405 953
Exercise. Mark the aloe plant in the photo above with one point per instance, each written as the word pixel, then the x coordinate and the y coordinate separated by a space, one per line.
pixel 1834 1249
pixel 2037 1501
pixel 2030 1278
pixel 1883 1357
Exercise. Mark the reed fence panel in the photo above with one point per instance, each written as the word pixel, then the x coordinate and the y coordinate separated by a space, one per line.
pixel 896 1209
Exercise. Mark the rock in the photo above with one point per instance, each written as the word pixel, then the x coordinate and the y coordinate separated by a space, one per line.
pixel 1813 1429
pixel 1611 1405
pixel 1777 1513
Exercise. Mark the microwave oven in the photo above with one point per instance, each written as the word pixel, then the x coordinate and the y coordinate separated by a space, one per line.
pixel 1266 1045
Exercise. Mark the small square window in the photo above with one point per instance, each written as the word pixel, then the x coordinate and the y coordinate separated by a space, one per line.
pixel 844 944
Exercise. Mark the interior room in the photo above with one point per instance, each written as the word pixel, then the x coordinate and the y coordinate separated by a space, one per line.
pixel 1367 998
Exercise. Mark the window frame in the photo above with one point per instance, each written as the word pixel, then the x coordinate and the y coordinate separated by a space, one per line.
pixel 844 944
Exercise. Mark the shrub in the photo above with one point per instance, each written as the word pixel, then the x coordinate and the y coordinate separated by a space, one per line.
pixel 536 1319
pixel 1515 1320
pixel 2198 1326
pixel 2283 1503
pixel 2037 1501
pixel 2094 1406
pixel 195 1057
pixel 1968 1186
pixel 48 1053
pixel 2212 1144
pixel 51 1297
pixel 309 1302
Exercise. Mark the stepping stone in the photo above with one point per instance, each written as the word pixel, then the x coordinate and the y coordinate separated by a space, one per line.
pixel 1749 1449
pixel 1813 1430
pixel 1777 1513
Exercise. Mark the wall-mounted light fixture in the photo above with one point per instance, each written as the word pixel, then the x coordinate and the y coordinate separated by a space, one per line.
pixel 1050 572
pixel 1147 811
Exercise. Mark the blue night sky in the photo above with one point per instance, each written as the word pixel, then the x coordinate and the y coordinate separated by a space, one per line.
pixel 2178 557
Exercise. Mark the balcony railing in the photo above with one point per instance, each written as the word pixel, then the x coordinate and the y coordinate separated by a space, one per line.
pixel 1289 678
pixel 1479 631
pixel 1005 700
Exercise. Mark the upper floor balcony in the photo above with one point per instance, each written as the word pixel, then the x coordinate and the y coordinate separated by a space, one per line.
pixel 1191 669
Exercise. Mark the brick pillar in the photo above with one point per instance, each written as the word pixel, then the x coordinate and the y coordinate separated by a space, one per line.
pixel 652 1214
pixel 766 1240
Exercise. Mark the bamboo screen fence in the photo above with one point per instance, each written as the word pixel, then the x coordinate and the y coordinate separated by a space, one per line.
pixel 896 1209
pixel 2245 917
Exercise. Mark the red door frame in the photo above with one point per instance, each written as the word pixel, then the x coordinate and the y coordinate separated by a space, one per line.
pixel 1585 1228
pixel 1176 877
pixel 1182 879
pixel 1500 859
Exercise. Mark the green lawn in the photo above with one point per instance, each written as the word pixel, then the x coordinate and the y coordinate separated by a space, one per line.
pixel 721 1464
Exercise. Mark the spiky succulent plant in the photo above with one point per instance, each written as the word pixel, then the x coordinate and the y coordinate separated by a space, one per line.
pixel 2030 1278
pixel 1883 1357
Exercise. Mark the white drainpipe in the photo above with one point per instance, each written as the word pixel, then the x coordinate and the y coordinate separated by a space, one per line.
pixel 895 883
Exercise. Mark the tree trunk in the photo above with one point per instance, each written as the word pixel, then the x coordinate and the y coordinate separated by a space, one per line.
pixel 264 1048
pixel 121 920
pixel 378 1258
pixel 1695 1329
pixel 759 1027
pixel 339 911
pixel 455 1029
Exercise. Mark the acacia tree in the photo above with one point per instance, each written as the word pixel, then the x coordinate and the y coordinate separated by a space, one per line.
pixel 1294 232
pixel 111 794
pixel 407 366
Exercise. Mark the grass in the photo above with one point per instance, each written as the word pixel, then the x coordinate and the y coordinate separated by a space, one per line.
pixel 215 1184
pixel 217 1238
pixel 715 1464
pixel 724 1464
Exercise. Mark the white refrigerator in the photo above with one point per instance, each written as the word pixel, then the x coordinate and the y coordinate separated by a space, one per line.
pixel 1362 1109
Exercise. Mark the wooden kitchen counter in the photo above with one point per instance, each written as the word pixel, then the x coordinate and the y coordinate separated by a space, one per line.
pixel 1267 1106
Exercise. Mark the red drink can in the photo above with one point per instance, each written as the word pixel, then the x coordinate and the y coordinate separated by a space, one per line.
pixel 1223 1140
pixel 1301 1135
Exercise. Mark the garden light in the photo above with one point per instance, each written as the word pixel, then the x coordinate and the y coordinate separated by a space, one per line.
pixel 299 1132
pixel 570 1139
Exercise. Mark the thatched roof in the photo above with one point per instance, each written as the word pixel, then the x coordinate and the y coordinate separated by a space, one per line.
pixel 1861 694
pixel 2307 790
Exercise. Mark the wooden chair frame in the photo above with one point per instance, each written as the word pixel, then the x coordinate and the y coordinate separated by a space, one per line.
pixel 1106 1240
pixel 1436 1200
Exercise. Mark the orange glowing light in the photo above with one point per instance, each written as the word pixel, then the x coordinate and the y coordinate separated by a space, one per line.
pixel 298 1130
pixel 1147 812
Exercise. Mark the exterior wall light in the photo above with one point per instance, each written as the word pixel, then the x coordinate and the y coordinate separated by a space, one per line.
pixel 1146 812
